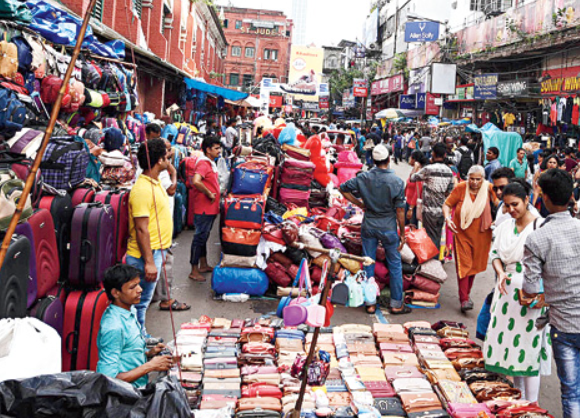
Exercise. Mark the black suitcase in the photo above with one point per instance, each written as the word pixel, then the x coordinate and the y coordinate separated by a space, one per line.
pixel 14 278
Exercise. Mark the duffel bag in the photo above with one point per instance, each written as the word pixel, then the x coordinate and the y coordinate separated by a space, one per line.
pixel 278 274
pixel 304 166
pixel 296 152
pixel 64 164
pixel 426 285
pixel 298 197
pixel 293 176
pixel 247 181
pixel 238 241
pixel 253 282
pixel 244 212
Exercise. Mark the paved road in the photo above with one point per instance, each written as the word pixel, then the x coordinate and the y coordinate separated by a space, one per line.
pixel 199 295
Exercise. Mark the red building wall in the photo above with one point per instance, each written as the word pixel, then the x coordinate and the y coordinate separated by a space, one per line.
pixel 260 38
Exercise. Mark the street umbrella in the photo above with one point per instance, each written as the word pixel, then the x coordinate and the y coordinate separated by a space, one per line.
pixel 390 113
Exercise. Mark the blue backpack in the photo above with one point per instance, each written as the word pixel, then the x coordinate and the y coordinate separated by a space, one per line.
pixel 12 113
pixel 169 132
pixel 24 53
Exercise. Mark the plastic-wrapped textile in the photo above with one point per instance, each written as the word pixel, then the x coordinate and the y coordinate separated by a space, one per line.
pixel 89 394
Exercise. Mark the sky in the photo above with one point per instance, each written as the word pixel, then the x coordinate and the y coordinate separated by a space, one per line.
pixel 329 21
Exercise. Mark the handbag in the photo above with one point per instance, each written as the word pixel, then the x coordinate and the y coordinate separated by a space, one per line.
pixel 296 153
pixel 327 224
pixel 407 255
pixel 295 313
pixel 420 243
pixel 277 274
pixel 330 241
pixel 273 233
pixel 433 269
pixel 340 294
pixel 240 241
pixel 248 182
pixel 11 189
pixel 255 390
pixel 352 242
pixel 229 260
pixel 244 212
pixel 401 372
pixel 289 232
pixel 424 284
pixel 418 295
pixel 412 385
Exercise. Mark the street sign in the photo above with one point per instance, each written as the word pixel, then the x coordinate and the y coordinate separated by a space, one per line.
pixel 421 31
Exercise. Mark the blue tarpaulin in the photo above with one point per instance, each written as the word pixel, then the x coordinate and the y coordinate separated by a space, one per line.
pixel 228 94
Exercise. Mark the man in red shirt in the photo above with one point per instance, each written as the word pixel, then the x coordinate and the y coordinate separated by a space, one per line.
pixel 570 162
pixel 207 205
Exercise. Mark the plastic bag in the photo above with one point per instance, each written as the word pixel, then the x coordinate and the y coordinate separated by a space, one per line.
pixel 420 243
pixel 90 394
pixel 224 175
pixel 28 347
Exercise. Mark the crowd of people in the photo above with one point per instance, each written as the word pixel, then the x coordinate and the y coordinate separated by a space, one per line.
pixel 520 217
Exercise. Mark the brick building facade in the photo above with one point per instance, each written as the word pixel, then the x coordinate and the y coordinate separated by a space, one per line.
pixel 258 46
pixel 172 39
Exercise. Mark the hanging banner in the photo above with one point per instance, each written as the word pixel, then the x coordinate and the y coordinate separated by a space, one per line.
pixel 305 70
pixel 485 86
pixel 421 31
pixel 514 88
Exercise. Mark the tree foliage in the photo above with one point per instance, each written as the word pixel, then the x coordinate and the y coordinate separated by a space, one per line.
pixel 341 80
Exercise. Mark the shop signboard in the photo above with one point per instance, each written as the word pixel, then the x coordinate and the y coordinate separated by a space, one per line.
pixel 421 31
pixel 310 106
pixel 514 88
pixel 561 80
pixel 485 86
pixel 276 101
pixel 324 102
pixel 408 101
pixel 462 93
pixel 288 109
pixel 359 87
pixel 421 99
pixel 387 85
pixel 430 106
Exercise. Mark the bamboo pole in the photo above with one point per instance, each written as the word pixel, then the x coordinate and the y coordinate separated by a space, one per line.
pixel 53 117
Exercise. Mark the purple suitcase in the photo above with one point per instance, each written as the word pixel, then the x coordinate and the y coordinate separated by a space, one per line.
pixel 92 244
pixel 50 311
pixel 26 230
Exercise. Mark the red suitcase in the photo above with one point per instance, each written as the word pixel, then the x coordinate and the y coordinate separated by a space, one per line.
pixel 82 319
pixel 119 200
pixel 46 250
pixel 83 195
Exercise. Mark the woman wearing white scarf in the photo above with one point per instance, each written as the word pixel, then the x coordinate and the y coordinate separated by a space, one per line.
pixel 471 226
pixel 513 345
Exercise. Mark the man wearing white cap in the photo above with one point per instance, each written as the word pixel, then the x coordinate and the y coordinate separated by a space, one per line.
pixel 383 201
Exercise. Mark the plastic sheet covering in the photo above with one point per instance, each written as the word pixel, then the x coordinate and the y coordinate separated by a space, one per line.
pixel 89 394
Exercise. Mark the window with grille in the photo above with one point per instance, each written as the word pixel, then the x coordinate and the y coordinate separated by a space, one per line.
pixel 137 5
pixel 97 11
pixel 248 80
pixel 236 51
pixel 238 24
pixel 249 52
pixel 234 79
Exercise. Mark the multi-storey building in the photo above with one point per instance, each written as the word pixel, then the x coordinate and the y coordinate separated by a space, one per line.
pixel 169 39
pixel 258 46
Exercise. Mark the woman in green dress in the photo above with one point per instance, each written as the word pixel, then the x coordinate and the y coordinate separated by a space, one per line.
pixel 513 345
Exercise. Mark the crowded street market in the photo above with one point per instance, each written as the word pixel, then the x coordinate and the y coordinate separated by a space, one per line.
pixel 266 216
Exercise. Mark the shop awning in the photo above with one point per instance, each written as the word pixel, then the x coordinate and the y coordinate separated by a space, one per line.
pixel 229 94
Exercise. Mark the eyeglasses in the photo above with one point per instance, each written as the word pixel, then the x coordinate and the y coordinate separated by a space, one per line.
pixel 498 188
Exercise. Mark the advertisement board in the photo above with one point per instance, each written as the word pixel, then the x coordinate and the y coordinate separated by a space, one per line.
pixel 408 101
pixel 421 31
pixel 388 85
pixel 359 87
pixel 305 72
pixel 443 78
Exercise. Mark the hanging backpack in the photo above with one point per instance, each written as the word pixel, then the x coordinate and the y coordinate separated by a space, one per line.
pixel 465 163
pixel 24 53
pixel 12 113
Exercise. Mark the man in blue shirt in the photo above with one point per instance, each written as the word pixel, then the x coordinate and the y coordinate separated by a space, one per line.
pixel 383 200
pixel 121 345
pixel 492 156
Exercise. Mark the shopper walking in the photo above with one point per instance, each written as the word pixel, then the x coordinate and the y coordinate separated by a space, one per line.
pixel 513 345
pixel 207 205
pixel 438 183
pixel 398 138
pixel 552 277
pixel 520 164
pixel 383 200
pixel 471 224
pixel 426 142
pixel 493 163
pixel 414 190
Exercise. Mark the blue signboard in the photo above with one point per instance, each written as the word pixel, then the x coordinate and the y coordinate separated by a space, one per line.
pixel 421 99
pixel 485 86
pixel 408 101
pixel 421 31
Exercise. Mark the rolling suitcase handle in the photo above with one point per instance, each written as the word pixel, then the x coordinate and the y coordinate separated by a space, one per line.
pixel 67 342
pixel 86 255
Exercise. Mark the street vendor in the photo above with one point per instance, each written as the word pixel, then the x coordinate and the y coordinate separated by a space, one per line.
pixel 120 341
pixel 383 200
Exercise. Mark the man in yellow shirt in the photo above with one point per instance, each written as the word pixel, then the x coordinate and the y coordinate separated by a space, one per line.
pixel 150 222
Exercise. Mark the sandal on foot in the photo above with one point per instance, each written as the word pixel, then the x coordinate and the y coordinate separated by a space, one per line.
pixel 371 309
pixel 175 306
pixel 404 310
pixel 195 279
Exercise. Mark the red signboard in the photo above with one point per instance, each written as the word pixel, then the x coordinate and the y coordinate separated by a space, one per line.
pixel 359 91
pixel 561 80
pixel 323 102
pixel 387 85
pixel 430 107
pixel 288 109
pixel 275 101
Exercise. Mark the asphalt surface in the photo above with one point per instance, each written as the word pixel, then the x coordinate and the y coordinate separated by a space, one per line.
pixel 200 297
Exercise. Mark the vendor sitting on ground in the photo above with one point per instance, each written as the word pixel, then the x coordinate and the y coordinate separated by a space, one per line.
pixel 120 342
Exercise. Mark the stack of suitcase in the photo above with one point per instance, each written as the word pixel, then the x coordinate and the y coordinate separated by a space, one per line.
pixel 56 262
pixel 295 179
